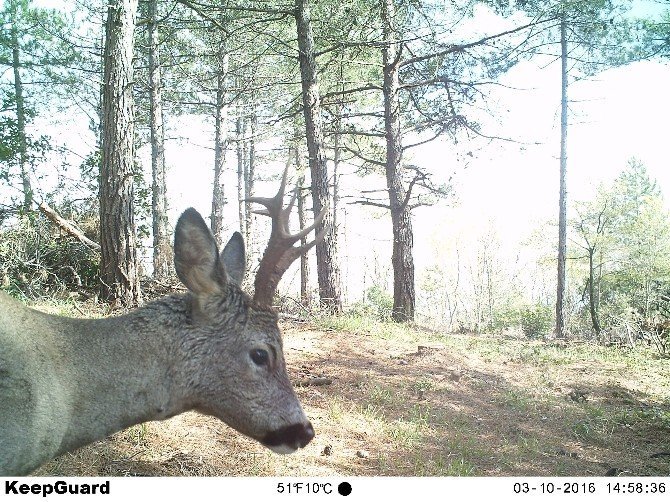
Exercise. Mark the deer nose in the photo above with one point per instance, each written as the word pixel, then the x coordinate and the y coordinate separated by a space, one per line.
pixel 289 439
pixel 308 434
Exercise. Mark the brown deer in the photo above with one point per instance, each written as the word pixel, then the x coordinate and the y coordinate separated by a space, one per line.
pixel 66 382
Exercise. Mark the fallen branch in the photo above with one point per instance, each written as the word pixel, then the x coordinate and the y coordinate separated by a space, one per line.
pixel 306 382
pixel 66 226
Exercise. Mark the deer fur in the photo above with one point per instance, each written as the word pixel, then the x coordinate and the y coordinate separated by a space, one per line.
pixel 65 383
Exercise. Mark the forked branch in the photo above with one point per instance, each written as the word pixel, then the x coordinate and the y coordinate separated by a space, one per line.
pixel 280 251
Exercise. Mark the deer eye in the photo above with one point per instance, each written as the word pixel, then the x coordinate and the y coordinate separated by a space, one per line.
pixel 259 356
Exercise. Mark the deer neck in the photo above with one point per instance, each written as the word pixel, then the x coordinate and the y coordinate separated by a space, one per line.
pixel 123 371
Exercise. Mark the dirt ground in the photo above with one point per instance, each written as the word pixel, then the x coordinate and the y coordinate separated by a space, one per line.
pixel 460 405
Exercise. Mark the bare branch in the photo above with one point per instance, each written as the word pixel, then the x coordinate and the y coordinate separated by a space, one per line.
pixel 462 47
pixel 66 226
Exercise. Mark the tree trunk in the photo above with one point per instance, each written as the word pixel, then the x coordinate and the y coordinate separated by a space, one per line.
pixel 337 139
pixel 563 193
pixel 249 173
pixel 403 239
pixel 21 121
pixel 162 254
pixel 242 205
pixel 328 272
pixel 593 306
pixel 118 261
pixel 302 222
pixel 220 144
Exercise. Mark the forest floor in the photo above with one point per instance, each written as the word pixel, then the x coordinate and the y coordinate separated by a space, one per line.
pixel 413 402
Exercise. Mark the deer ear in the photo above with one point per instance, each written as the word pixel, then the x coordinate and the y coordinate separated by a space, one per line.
pixel 196 256
pixel 234 259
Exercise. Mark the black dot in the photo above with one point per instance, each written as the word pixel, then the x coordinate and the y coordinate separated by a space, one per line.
pixel 344 488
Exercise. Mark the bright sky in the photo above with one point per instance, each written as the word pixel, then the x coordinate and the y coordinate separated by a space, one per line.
pixel 620 114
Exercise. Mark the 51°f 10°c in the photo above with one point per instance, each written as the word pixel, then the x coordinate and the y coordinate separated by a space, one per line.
pixel 297 487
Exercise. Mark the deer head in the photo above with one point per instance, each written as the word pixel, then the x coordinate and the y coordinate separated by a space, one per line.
pixel 236 338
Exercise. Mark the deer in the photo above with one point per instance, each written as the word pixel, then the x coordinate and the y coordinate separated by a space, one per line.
pixel 66 382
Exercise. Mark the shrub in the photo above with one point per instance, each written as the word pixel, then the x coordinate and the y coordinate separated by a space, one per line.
pixel 504 319
pixel 378 304
pixel 536 320
pixel 35 261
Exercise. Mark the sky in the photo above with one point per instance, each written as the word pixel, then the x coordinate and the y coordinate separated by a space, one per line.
pixel 620 114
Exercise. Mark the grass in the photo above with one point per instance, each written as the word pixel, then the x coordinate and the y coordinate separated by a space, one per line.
pixel 550 371
pixel 71 308
pixel 137 435
pixel 368 326
pixel 518 401
pixel 538 418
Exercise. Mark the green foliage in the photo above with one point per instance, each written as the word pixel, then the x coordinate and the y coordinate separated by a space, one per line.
pixel 600 32
pixel 37 59
pixel 655 35
pixel 381 301
pixel 142 204
pixel 536 320
pixel 505 318
pixel 626 229
pixel 37 147
pixel 45 53
pixel 378 304
pixel 9 146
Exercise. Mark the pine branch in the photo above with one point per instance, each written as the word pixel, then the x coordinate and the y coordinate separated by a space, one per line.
pixel 462 47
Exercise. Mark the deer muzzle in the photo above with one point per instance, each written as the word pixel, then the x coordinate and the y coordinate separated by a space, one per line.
pixel 289 439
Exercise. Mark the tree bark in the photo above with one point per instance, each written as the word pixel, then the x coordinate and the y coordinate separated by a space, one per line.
pixel 118 261
pixel 220 143
pixel 403 238
pixel 563 193
pixel 249 173
pixel 242 206
pixel 21 119
pixel 593 307
pixel 302 223
pixel 162 253
pixel 328 272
